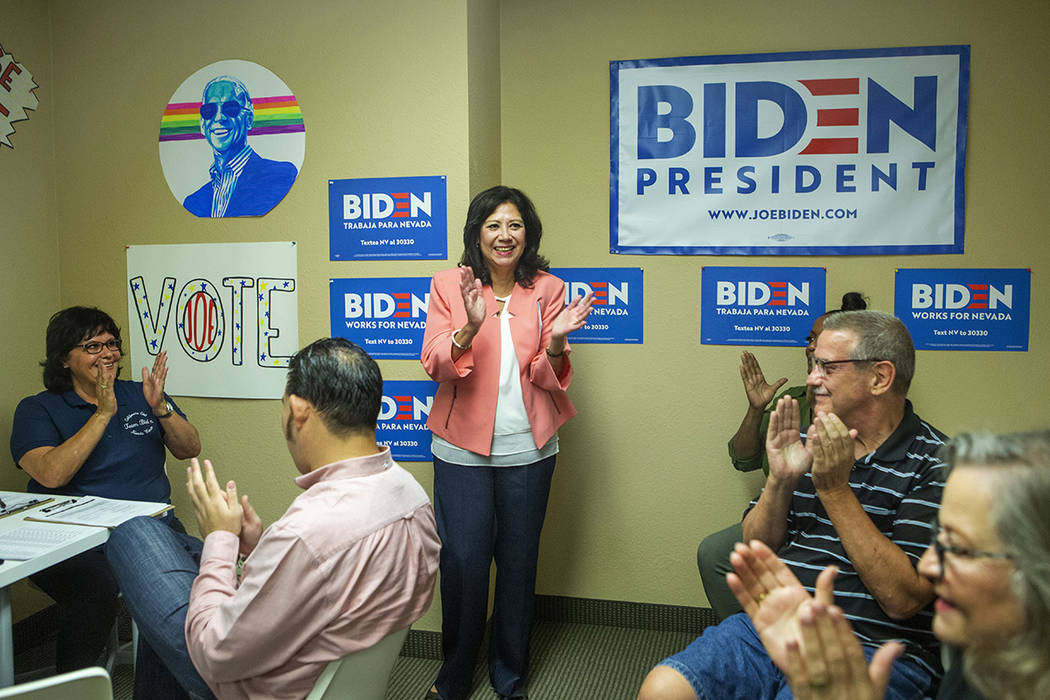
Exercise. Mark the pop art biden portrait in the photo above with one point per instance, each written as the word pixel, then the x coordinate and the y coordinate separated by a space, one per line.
pixel 240 182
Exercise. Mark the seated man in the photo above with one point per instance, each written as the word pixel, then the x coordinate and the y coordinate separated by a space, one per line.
pixel 352 560
pixel 747 453
pixel 861 493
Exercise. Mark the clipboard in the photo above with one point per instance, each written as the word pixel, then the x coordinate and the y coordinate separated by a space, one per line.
pixel 41 500
pixel 95 511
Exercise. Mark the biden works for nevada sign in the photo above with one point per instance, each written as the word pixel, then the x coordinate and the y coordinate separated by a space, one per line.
pixel 855 152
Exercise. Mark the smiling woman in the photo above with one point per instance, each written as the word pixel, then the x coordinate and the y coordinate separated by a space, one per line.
pixel 991 563
pixel 496 341
pixel 90 433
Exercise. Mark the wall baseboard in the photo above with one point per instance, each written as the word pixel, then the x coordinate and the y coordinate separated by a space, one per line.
pixel 424 644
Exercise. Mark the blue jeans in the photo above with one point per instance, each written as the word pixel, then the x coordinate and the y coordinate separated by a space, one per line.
pixel 484 513
pixel 729 661
pixel 155 566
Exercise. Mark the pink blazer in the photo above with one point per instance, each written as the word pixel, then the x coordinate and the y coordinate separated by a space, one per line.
pixel 464 409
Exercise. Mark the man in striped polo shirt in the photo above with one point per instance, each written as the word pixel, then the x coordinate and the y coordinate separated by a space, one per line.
pixel 860 490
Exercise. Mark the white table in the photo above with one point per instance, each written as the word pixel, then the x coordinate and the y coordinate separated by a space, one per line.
pixel 12 571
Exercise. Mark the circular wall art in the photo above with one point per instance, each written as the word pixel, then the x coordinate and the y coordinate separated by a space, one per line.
pixel 232 140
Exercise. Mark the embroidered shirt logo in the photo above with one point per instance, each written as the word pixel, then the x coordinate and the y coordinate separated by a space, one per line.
pixel 139 423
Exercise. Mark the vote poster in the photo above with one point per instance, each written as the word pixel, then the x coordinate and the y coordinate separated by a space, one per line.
pixel 226 313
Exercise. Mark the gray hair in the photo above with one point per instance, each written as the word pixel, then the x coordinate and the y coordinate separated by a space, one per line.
pixel 239 90
pixel 1017 668
pixel 880 336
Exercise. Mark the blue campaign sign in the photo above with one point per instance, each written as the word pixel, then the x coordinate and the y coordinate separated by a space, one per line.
pixel 760 305
pixel 384 315
pixel 964 309
pixel 403 419
pixel 388 218
pixel 616 315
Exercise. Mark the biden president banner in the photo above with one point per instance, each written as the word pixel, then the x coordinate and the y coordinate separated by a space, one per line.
pixel 857 152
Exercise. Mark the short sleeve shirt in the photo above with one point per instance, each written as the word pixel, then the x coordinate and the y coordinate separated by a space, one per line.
pixel 127 463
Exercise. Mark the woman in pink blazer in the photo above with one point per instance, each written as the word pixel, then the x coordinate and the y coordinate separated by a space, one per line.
pixel 496 342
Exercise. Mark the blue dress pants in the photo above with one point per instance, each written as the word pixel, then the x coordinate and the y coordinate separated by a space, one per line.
pixel 155 566
pixel 486 513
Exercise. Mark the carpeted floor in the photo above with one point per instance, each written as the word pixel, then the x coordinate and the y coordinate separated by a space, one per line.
pixel 570 661
pixel 572 657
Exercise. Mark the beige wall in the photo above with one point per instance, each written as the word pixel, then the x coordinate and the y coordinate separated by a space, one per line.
pixel 29 261
pixel 480 90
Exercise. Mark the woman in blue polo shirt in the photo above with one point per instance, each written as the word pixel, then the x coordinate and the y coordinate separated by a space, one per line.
pixel 92 434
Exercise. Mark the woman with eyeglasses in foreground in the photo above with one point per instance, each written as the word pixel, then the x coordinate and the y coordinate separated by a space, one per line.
pixel 989 562
pixel 91 434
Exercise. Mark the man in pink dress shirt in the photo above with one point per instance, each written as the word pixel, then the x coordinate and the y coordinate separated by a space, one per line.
pixel 352 560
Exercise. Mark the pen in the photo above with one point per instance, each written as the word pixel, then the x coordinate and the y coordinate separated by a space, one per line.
pixel 60 503
pixel 75 502
pixel 2 504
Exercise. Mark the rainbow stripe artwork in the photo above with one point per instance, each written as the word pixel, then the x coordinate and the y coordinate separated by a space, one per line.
pixel 273 115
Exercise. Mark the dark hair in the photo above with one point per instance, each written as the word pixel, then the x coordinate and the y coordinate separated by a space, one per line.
pixel 341 381
pixel 851 301
pixel 481 208
pixel 66 329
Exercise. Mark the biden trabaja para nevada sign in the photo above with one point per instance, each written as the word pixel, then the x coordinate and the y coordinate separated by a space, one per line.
pixel 855 152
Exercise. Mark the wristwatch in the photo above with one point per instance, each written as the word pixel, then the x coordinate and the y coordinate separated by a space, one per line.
pixel 167 407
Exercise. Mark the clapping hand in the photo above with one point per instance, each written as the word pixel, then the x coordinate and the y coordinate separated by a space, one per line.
pixel 759 392
pixel 832 447
pixel 216 508
pixel 771 595
pixel 105 378
pixel 572 317
pixel 251 526
pixel 829 662
pixel 807 637
pixel 473 300
pixel 153 381
pixel 789 459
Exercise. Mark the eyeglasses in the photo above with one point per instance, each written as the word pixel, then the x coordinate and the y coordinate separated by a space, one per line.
pixel 961 552
pixel 230 109
pixel 822 365
pixel 95 347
